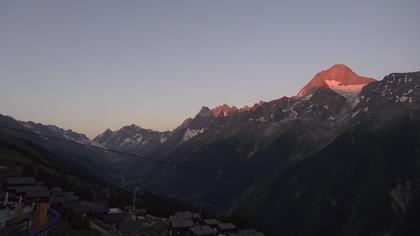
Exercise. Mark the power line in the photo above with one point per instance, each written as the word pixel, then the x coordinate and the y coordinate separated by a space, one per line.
pixel 157 161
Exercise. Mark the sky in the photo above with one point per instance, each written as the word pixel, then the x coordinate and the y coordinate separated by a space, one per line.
pixel 89 65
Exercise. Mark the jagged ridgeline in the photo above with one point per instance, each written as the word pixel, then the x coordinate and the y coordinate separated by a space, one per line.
pixel 339 158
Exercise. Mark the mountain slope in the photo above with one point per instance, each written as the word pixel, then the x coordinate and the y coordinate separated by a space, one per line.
pixel 52 130
pixel 306 150
pixel 131 138
pixel 364 181
pixel 77 159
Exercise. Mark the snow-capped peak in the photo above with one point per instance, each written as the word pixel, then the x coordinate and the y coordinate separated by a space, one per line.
pixel 338 78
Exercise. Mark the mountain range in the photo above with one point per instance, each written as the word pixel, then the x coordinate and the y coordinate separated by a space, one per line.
pixel 342 157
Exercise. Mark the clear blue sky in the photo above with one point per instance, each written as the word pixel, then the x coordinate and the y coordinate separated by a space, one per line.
pixel 90 65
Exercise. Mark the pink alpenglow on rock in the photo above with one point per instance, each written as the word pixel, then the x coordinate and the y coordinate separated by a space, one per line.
pixel 338 78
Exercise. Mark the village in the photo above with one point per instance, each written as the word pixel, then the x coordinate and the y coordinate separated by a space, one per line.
pixel 28 207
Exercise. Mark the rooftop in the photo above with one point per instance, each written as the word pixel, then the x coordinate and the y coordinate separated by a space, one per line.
pixel 226 226
pixel 184 215
pixel 211 222
pixel 29 188
pixel 42 193
pixel 58 199
pixel 202 230
pixel 20 181
pixel 180 223
pixel 57 190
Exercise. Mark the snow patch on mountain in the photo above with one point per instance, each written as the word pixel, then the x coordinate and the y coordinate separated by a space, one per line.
pixel 261 119
pixel 126 141
pixel 191 133
pixel 338 87
pixel 409 91
pixel 402 99
pixel 355 113
pixel 138 140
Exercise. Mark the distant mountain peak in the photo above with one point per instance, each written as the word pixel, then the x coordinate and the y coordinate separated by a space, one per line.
pixel 339 78
pixel 134 126
pixel 186 122
pixel 253 107
pixel 204 112
pixel 106 133
pixel 340 68
pixel 223 110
